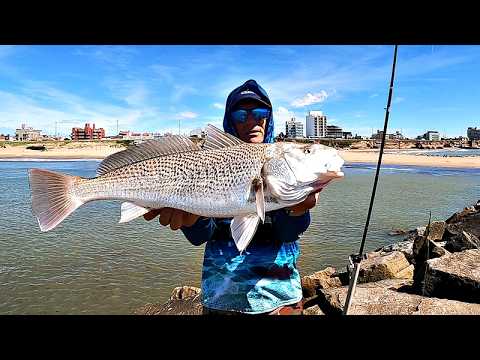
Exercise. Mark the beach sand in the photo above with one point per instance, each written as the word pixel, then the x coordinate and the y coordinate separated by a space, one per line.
pixel 369 156
pixel 97 150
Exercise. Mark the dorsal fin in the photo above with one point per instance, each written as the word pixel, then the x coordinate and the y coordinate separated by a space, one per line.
pixel 149 149
pixel 217 139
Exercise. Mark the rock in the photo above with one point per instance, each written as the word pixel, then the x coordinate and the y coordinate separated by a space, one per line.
pixel 313 310
pixel 436 230
pixel 379 267
pixel 406 247
pixel 462 241
pixel 185 300
pixel 319 280
pixel 386 298
pixel 183 292
pixel 424 250
pixel 454 276
pixel 406 273
pixel 396 232
pixel 461 215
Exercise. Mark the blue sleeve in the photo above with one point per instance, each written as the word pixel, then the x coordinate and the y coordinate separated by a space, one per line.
pixel 289 228
pixel 200 232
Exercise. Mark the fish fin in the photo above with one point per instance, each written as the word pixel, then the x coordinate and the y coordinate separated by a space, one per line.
pixel 259 198
pixel 168 145
pixel 217 139
pixel 243 228
pixel 52 198
pixel 130 211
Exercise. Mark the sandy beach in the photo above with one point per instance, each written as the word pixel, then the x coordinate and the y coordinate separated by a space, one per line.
pixel 99 150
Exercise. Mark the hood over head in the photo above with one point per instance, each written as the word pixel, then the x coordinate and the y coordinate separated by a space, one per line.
pixel 248 90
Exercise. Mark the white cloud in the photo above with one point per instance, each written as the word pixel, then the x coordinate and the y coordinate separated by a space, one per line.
pixel 187 115
pixel 373 95
pixel 310 99
pixel 219 106
pixel 398 99
pixel 281 116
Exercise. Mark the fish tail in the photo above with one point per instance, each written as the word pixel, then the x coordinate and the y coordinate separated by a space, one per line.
pixel 52 197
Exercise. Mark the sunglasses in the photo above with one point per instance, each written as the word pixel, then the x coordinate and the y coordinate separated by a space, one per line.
pixel 241 115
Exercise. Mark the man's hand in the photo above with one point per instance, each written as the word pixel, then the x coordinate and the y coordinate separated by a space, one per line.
pixel 173 217
pixel 305 205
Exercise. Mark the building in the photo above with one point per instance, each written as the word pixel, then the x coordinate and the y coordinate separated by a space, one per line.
pixel 87 133
pixel 316 125
pixel 431 136
pixel 347 135
pixel 4 137
pixel 334 132
pixel 27 133
pixel 473 133
pixel 397 136
pixel 293 129
pixel 137 136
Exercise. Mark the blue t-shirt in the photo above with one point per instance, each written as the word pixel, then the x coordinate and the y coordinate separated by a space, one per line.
pixel 262 278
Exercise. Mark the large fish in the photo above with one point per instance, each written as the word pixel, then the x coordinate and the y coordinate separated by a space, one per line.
pixel 225 177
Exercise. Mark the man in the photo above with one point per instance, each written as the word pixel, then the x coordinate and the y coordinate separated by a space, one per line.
pixel 263 279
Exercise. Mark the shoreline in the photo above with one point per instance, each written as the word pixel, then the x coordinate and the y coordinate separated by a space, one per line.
pixel 350 156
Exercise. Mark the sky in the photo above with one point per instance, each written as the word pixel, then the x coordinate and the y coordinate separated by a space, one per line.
pixel 156 88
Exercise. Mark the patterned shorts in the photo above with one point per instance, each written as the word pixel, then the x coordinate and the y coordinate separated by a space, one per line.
pixel 294 309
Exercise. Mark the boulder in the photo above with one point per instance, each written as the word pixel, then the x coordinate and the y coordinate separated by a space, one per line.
pixel 406 247
pixel 454 276
pixel 387 297
pixel 183 292
pixel 378 266
pixel 313 310
pixel 319 280
pixel 424 250
pixel 462 241
pixel 460 216
pixel 436 230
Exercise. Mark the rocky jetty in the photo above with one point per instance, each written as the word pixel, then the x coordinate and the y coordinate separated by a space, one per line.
pixel 435 270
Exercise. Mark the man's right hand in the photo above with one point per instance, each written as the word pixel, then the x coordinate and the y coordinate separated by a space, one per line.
pixel 173 217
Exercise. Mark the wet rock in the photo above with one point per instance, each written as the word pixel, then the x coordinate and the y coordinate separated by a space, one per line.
pixel 386 298
pixel 395 232
pixel 454 276
pixel 462 241
pixel 436 230
pixel 378 266
pixel 461 215
pixel 319 280
pixel 406 247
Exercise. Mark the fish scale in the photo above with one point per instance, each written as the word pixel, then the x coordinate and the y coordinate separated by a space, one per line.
pixel 213 183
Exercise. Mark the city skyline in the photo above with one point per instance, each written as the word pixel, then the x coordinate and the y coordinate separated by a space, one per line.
pixel 158 88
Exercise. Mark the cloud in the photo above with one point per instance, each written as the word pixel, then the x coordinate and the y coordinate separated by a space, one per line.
pixel 398 99
pixel 310 99
pixel 373 96
pixel 116 56
pixel 219 106
pixel 187 115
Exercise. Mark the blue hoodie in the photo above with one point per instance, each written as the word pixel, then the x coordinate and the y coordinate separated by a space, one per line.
pixel 265 276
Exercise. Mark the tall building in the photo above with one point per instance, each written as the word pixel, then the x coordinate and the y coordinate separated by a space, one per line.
pixel 316 124
pixel 334 132
pixel 87 133
pixel 27 133
pixel 473 133
pixel 431 136
pixel 293 129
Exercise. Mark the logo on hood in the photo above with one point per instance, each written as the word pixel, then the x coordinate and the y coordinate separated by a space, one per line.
pixel 247 92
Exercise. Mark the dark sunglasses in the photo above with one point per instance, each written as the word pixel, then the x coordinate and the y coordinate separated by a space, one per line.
pixel 241 115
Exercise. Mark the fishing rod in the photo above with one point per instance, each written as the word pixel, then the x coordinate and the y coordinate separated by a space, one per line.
pixel 354 260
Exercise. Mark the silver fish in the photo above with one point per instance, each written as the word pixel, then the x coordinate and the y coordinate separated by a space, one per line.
pixel 225 177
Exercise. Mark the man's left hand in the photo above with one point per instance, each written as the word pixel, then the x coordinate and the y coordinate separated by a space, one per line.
pixel 305 205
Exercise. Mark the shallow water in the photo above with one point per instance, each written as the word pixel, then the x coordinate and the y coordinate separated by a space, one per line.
pixel 90 264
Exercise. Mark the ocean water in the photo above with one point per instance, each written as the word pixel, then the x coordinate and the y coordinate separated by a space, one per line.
pixel 90 264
